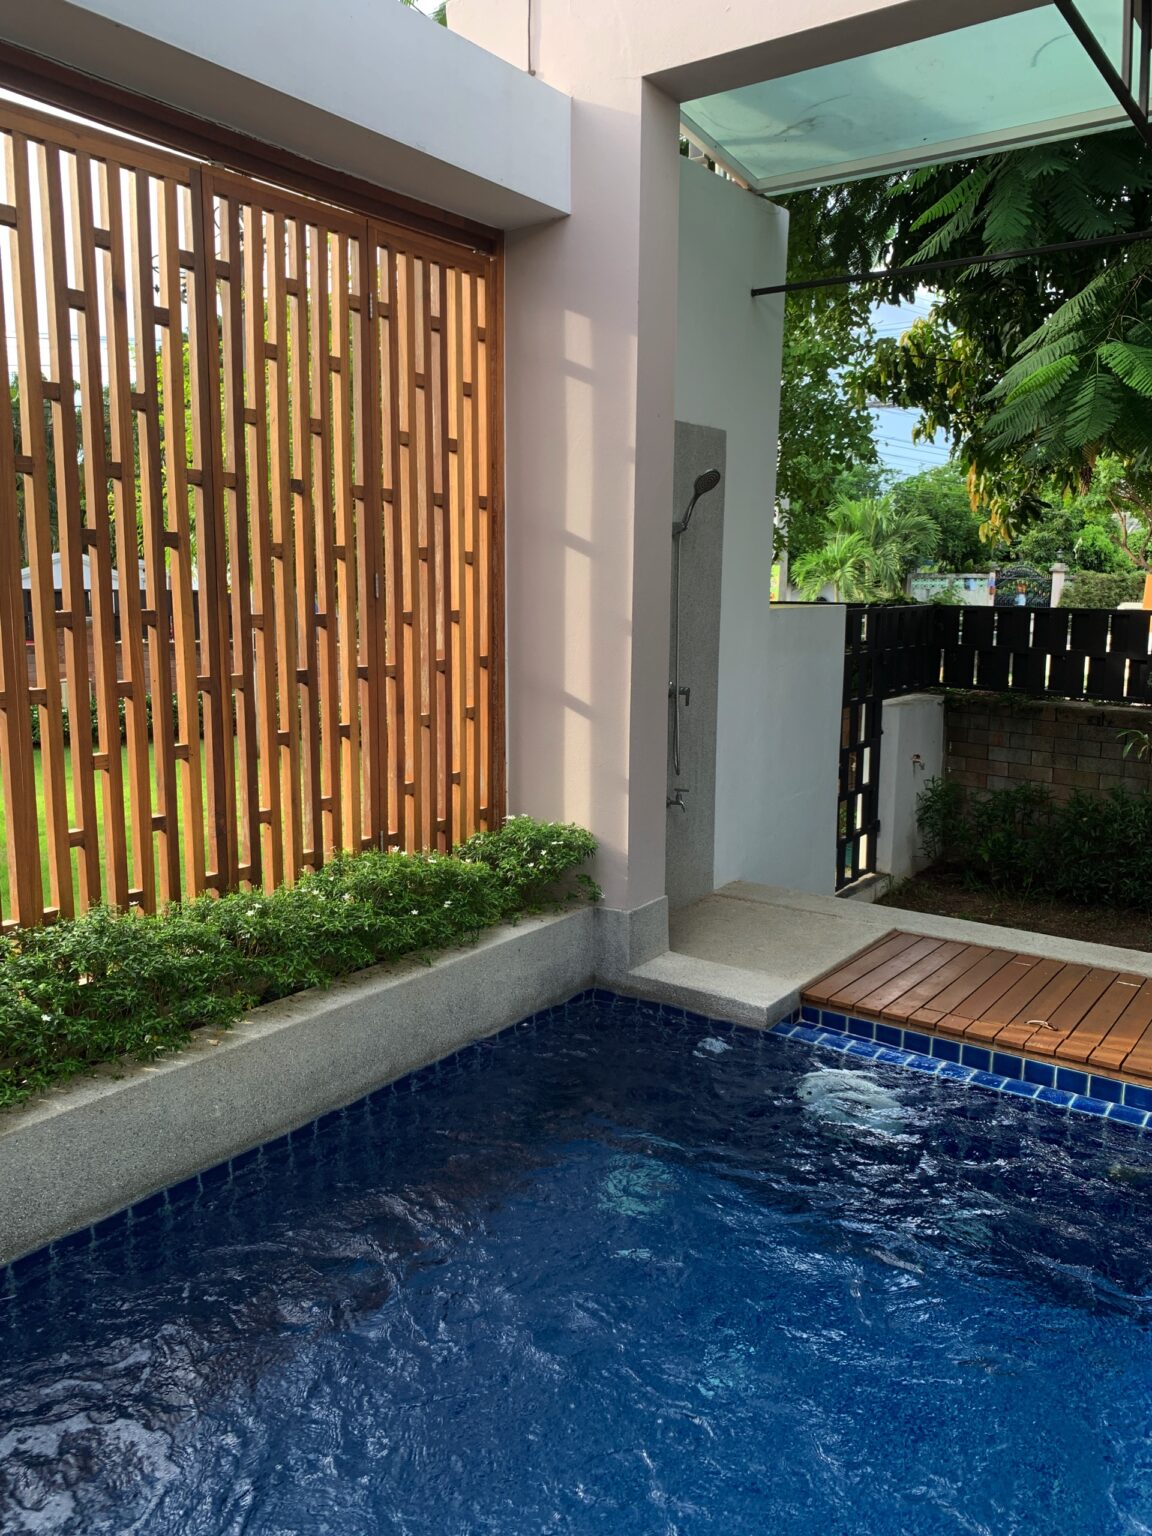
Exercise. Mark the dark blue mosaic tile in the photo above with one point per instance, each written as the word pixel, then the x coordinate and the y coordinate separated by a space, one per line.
pixel 888 1033
pixel 893 1057
pixel 1137 1097
pixel 151 1203
pixel 1040 1073
pixel 946 1050
pixel 833 1020
pixel 1007 1066
pixel 914 1041
pixel 810 1014
pixel 921 1063
pixel 861 1029
pixel 987 1080
pixel 1056 1096
pixel 1089 1106
pixel 956 1072
pixel 976 1056
pixel 1071 1081
pixel 220 1174
pixel 1105 1088
pixel 73 1243
pixel 188 1189
pixel 1025 1090
pixel 1127 1116
pixel 111 1226
pixel 867 1049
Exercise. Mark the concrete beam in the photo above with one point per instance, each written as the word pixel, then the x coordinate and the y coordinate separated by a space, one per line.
pixel 364 86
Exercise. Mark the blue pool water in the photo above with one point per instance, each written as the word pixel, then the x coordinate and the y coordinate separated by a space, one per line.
pixel 615 1272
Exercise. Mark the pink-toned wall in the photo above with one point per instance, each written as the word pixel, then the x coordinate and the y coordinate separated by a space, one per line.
pixel 590 385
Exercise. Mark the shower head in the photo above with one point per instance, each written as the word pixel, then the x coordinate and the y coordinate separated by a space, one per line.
pixel 706 482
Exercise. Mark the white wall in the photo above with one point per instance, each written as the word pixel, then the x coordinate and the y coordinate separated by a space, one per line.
pixel 913 753
pixel 728 376
pixel 365 86
pixel 799 770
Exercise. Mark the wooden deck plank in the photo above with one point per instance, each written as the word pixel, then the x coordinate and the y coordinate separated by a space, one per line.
pixel 1088 1016
pixel 825 987
pixel 889 970
pixel 1128 1043
pixel 960 990
pixel 949 972
pixel 892 990
pixel 1094 1028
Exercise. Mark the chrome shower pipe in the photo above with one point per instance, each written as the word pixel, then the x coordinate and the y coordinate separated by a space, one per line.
pixel 706 482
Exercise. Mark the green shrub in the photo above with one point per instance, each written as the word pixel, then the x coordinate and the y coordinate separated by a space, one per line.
pixel 111 984
pixel 1094 850
pixel 1102 589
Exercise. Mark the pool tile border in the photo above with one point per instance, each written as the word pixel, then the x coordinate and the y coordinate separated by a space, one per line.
pixel 862 1039
pixel 1045 1082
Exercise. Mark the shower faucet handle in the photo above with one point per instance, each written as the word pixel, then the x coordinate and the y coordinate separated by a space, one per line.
pixel 686 695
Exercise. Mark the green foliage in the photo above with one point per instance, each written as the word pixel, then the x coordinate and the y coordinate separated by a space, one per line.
pixel 941 495
pixel 530 860
pixel 1102 589
pixel 1036 368
pixel 1093 850
pixel 110 984
pixel 870 547
pixel 825 434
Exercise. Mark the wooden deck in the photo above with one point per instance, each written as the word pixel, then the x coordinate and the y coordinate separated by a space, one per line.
pixel 1078 1015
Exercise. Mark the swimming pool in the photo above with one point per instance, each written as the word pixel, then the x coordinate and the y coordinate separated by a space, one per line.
pixel 616 1271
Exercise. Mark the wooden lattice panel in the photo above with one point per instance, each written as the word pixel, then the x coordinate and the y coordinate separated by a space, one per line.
pixel 253 474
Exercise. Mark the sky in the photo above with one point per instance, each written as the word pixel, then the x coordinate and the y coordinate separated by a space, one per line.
pixel 893 426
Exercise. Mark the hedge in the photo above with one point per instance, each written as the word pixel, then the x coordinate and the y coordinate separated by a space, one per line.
pixel 111 984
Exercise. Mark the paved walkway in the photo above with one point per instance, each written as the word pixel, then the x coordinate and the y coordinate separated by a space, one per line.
pixel 747 952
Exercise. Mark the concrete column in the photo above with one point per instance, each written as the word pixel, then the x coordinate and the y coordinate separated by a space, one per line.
pixel 912 752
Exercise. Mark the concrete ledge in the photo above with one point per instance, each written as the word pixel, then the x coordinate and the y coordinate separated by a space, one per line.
pixel 86 1150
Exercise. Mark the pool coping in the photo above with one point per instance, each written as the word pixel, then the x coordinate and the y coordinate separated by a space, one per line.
pixel 97 1144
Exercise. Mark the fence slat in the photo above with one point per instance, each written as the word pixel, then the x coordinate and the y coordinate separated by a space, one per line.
pixel 233 476
pixel 152 519
pixel 133 685
pixel 38 527
pixel 70 524
pixel 17 759
pixel 97 534
pixel 189 768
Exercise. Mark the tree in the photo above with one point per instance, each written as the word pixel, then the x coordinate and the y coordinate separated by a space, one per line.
pixel 1034 368
pixel 941 494
pixel 824 431
pixel 1105 528
pixel 871 546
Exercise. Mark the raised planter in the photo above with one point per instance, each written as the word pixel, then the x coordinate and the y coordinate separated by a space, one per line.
pixel 83 1151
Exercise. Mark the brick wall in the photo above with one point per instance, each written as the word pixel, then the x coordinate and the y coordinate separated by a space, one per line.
pixel 994 743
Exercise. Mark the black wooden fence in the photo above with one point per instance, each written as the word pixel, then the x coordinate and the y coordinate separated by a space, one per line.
pixel 1068 653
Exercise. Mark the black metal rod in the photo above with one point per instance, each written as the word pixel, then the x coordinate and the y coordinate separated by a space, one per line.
pixel 1112 77
pixel 1145 47
pixel 884 274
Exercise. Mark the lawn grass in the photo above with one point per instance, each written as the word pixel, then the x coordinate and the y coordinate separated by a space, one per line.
pixel 41 820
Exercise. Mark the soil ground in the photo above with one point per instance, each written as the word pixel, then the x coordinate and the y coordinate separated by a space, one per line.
pixel 948 895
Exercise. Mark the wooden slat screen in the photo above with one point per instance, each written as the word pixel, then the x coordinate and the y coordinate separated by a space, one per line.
pixel 252 470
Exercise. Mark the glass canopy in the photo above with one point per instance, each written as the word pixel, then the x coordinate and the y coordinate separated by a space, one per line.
pixel 1015 80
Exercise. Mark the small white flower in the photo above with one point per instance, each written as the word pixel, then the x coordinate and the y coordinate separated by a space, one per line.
pixel 415 912
pixel 447 903
pixel 348 896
